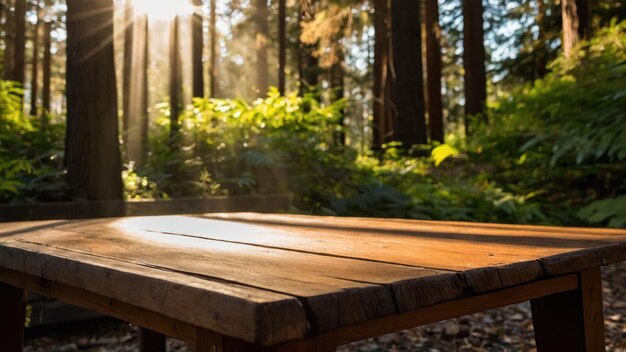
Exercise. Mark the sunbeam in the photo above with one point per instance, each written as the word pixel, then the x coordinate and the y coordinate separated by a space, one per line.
pixel 163 10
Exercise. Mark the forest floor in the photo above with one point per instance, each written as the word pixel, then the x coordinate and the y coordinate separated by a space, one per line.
pixel 504 329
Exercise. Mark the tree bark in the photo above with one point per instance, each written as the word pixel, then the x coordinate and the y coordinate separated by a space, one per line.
pixel 408 81
pixel 197 48
pixel 475 80
pixel 9 43
pixel 92 149
pixel 541 47
pixel 433 70
pixel 337 81
pixel 307 62
pixel 175 79
pixel 128 63
pixel 135 130
pixel 261 46
pixel 34 91
pixel 213 77
pixel 282 45
pixel 584 21
pixel 569 16
pixel 381 72
pixel 47 65
pixel 20 42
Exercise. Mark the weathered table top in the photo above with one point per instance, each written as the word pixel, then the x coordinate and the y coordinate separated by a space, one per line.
pixel 274 278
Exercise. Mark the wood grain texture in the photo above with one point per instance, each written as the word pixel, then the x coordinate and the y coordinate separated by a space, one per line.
pixel 12 317
pixel 270 279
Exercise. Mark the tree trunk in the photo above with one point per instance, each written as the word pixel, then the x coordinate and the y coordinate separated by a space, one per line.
pixel 20 42
pixel 92 150
pixel 175 79
pixel 197 48
pixel 584 21
pixel 570 25
pixel 337 81
pixel 136 123
pixel 541 47
pixel 307 62
pixel 475 79
pixel 213 77
pixel 145 113
pixel 381 72
pixel 433 70
pixel 47 64
pixel 9 43
pixel 261 46
pixel 408 91
pixel 128 63
pixel 282 45
pixel 35 64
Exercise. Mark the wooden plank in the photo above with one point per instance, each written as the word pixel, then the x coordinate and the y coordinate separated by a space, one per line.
pixel 151 341
pixel 456 308
pixel 12 318
pixel 571 320
pixel 353 287
pixel 244 312
pixel 492 257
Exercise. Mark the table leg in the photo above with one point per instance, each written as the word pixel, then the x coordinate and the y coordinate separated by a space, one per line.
pixel 572 320
pixel 12 317
pixel 208 341
pixel 151 341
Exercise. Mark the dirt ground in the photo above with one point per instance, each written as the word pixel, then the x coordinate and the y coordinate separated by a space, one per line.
pixel 504 329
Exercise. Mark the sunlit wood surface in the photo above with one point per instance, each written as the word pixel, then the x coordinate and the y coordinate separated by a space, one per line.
pixel 274 278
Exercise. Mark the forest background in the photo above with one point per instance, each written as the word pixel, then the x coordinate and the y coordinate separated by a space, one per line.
pixel 497 111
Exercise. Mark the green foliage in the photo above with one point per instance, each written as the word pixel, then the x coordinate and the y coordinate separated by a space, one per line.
pixel 31 153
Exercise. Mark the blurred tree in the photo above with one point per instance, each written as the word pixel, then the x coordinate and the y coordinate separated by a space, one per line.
pixel 197 47
pixel 433 70
pixel 282 44
pixel 47 57
pixel 408 82
pixel 213 55
pixel 475 79
pixel 129 23
pixel 34 82
pixel 92 150
pixel 175 83
pixel 262 34
pixel 383 125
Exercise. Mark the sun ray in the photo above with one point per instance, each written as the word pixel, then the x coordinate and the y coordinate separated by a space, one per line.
pixel 163 10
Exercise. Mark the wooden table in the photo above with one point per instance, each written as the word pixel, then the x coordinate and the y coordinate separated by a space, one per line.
pixel 251 282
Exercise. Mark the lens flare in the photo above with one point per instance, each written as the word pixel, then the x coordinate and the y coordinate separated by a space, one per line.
pixel 163 10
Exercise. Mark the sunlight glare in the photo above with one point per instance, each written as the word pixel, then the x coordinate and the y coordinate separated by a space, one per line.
pixel 163 10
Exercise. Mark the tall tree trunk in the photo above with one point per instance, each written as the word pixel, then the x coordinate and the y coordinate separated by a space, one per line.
pixel 282 45
pixel 475 80
pixel 197 48
pixel 569 16
pixel 34 91
pixel 47 65
pixel 261 46
pixel 20 41
pixel 175 79
pixel 9 43
pixel 308 69
pixel 541 47
pixel 135 130
pixel 92 150
pixel 408 91
pixel 337 85
pixel 433 70
pixel 584 19
pixel 129 20
pixel 145 113
pixel 381 72
pixel 213 77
